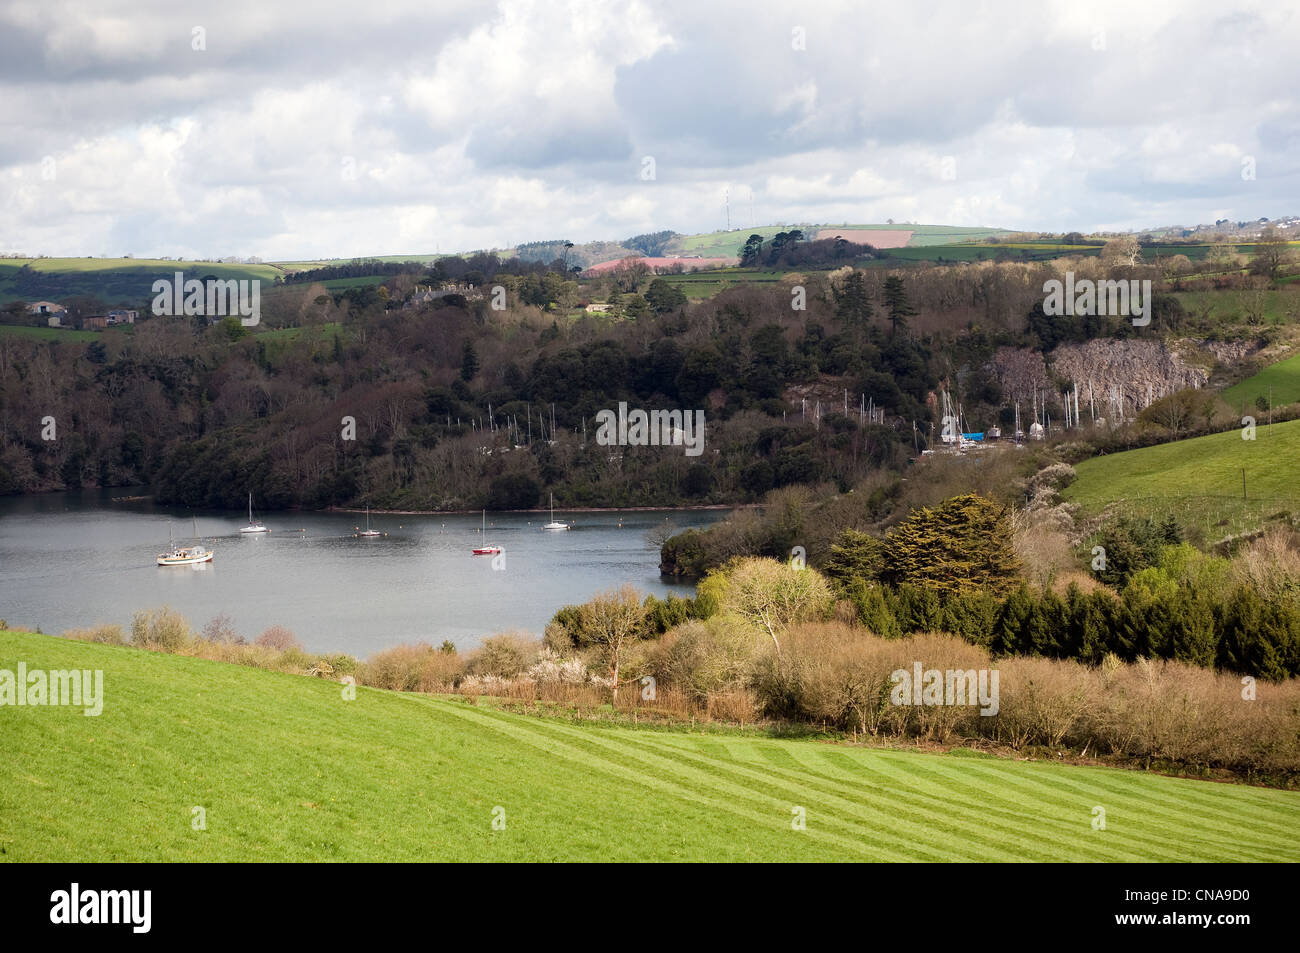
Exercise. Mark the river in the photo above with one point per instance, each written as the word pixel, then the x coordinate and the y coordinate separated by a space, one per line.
pixel 74 559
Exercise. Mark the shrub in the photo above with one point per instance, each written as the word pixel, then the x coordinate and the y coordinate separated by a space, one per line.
pixel 502 656
pixel 411 668
pixel 104 633
pixel 769 595
pixel 279 638
pixel 705 658
pixel 221 629
pixel 736 705
pixel 161 630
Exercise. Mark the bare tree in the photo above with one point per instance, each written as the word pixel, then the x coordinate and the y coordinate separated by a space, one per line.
pixel 612 619
pixel 1272 254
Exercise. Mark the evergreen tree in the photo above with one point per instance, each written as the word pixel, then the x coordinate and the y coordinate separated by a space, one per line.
pixel 855 556
pixel 468 361
pixel 963 544
pixel 897 304
pixel 852 302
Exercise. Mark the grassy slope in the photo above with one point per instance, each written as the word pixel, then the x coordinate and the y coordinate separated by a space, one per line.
pixel 1199 480
pixel 1280 380
pixel 730 243
pixel 1202 466
pixel 115 278
pixel 49 334
pixel 287 770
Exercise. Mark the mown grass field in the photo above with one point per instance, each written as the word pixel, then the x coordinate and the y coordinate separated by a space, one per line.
pixel 286 769
pixel 1200 480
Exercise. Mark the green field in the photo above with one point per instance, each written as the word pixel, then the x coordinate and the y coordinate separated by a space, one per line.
pixel 1200 480
pixel 291 266
pixel 1232 306
pixel 1280 381
pixel 117 280
pixel 49 334
pixel 285 769
pixel 730 243
pixel 705 284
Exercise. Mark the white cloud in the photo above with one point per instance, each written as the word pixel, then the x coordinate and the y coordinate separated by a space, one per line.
pixel 401 128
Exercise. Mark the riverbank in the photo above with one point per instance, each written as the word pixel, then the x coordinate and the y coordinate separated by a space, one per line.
pixel 543 509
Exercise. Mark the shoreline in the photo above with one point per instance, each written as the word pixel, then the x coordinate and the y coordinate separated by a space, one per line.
pixel 544 509
pixel 698 507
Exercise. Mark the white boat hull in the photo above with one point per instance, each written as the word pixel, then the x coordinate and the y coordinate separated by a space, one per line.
pixel 190 560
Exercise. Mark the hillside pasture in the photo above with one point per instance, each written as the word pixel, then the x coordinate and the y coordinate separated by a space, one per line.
pixel 286 768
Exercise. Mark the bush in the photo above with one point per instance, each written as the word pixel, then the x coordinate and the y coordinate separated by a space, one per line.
pixel 768 595
pixel 702 659
pixel 221 629
pixel 411 668
pixel 104 633
pixel 502 656
pixel 279 638
pixel 161 630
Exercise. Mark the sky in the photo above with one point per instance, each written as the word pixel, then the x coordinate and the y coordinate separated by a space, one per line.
pixel 300 130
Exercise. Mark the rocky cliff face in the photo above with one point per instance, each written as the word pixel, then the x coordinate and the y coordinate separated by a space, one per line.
pixel 1122 377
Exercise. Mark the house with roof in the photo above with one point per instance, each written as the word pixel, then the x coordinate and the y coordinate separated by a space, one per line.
pixel 47 308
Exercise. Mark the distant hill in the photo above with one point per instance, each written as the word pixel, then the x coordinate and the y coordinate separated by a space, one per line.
pixel 720 244
pixel 123 280
pixel 115 280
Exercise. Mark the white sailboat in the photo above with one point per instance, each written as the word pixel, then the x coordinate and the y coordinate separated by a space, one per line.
pixel 254 526
pixel 368 532
pixel 553 524
pixel 486 549
pixel 184 555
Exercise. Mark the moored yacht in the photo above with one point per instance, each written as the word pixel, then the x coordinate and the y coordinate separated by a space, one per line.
pixel 254 526
pixel 553 524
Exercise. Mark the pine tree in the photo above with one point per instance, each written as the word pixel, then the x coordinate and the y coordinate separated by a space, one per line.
pixel 852 302
pixel 963 544
pixel 896 301
pixel 468 361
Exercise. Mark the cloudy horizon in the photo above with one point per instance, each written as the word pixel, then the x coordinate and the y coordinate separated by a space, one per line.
pixel 302 131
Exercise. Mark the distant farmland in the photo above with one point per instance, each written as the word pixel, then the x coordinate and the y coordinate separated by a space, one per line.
pixel 876 237
pixel 689 264
pixel 113 279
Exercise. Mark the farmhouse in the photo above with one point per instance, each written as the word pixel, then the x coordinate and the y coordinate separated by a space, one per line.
pixel 425 295
pixel 46 307
pixel 121 316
